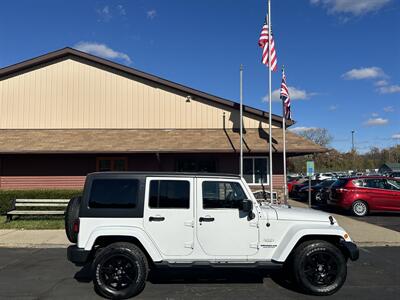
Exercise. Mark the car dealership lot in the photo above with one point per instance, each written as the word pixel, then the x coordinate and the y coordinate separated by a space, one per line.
pixel 46 274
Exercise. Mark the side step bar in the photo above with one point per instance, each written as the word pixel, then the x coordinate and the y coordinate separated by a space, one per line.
pixel 257 265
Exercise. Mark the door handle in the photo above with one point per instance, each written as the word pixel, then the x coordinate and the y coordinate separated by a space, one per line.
pixel 156 219
pixel 206 219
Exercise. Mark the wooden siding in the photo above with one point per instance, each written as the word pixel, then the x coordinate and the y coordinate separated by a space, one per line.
pixel 77 182
pixel 71 94
pixel 41 182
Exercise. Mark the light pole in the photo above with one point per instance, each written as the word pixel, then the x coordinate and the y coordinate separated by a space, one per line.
pixel 352 140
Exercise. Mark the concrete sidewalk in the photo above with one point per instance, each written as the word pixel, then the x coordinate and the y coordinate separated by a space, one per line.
pixel 364 234
pixel 16 238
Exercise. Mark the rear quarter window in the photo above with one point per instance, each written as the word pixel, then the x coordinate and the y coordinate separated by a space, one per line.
pixel 114 193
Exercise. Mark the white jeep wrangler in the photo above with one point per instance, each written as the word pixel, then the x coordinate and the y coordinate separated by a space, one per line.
pixel 126 223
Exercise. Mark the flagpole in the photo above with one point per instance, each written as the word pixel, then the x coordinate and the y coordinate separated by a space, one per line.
pixel 241 121
pixel 285 191
pixel 270 101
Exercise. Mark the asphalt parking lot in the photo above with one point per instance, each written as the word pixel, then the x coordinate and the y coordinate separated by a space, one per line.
pixel 46 274
pixel 388 220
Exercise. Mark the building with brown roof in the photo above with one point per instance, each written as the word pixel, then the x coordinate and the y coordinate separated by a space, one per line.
pixel 68 113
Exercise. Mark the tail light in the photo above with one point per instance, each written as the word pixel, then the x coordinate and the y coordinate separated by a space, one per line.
pixel 75 226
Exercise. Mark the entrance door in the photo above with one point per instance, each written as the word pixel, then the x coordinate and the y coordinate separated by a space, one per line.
pixel 223 229
pixel 168 214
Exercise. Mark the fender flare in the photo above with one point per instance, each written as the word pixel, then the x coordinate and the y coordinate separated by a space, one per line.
pixel 297 232
pixel 125 231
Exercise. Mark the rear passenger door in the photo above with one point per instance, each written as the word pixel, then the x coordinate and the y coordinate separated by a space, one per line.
pixel 168 214
pixel 381 198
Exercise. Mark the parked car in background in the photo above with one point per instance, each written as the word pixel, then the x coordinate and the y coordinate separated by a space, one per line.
pixel 297 187
pixel 361 195
pixel 323 176
pixel 291 183
pixel 395 175
pixel 315 189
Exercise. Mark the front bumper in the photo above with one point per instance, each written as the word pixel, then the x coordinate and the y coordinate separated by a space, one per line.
pixel 350 249
pixel 78 256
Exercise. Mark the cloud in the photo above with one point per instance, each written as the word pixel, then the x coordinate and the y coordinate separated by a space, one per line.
pixel 151 14
pixel 102 50
pixel 390 89
pixel 374 114
pixel 104 13
pixel 121 10
pixel 382 82
pixel 302 129
pixel 388 109
pixel 376 122
pixel 332 108
pixel 396 136
pixel 364 73
pixel 352 7
pixel 295 94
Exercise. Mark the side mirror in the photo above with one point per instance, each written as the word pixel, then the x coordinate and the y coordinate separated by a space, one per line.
pixel 247 205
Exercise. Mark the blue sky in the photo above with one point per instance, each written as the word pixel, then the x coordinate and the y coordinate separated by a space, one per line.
pixel 342 57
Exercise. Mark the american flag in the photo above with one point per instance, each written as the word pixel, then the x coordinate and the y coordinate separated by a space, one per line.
pixel 285 97
pixel 263 43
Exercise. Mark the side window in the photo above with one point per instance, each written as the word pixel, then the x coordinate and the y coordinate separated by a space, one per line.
pixel 358 182
pixel 114 193
pixel 375 183
pixel 222 195
pixel 393 185
pixel 169 194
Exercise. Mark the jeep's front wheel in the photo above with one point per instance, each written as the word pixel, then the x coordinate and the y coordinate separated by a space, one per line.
pixel 120 271
pixel 319 267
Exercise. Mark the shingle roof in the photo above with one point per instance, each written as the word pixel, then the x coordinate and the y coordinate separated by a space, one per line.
pixel 147 140
pixel 393 166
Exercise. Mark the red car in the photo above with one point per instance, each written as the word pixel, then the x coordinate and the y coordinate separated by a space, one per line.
pixel 293 181
pixel 364 194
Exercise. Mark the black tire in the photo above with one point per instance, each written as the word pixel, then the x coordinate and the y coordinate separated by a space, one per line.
pixel 72 214
pixel 120 271
pixel 319 268
pixel 359 208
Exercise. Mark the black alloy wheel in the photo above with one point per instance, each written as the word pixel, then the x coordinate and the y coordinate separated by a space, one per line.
pixel 118 272
pixel 319 267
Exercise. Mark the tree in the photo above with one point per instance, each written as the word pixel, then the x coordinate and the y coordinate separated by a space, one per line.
pixel 319 136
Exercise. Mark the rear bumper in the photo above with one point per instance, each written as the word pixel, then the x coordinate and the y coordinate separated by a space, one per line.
pixel 78 256
pixel 351 249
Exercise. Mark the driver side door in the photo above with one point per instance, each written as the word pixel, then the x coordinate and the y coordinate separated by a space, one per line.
pixel 223 229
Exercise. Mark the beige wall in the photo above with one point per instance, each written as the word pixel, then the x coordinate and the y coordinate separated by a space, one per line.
pixel 71 94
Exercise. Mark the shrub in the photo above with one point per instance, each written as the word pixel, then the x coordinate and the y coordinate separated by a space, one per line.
pixel 7 196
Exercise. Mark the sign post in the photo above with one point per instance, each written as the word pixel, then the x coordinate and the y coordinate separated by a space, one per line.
pixel 310 173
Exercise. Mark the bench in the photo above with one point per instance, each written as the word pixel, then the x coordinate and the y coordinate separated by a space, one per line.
pixel 20 205
pixel 262 196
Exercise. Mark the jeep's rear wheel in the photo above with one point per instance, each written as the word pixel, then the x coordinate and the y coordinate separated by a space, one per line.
pixel 319 267
pixel 120 271
pixel 71 215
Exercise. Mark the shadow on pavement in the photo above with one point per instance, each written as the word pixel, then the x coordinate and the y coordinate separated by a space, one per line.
pixel 204 275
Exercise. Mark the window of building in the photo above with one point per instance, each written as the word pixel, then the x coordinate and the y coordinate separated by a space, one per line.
pixel 218 194
pixel 255 170
pixel 114 193
pixel 169 194
pixel 196 165
pixel 111 164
